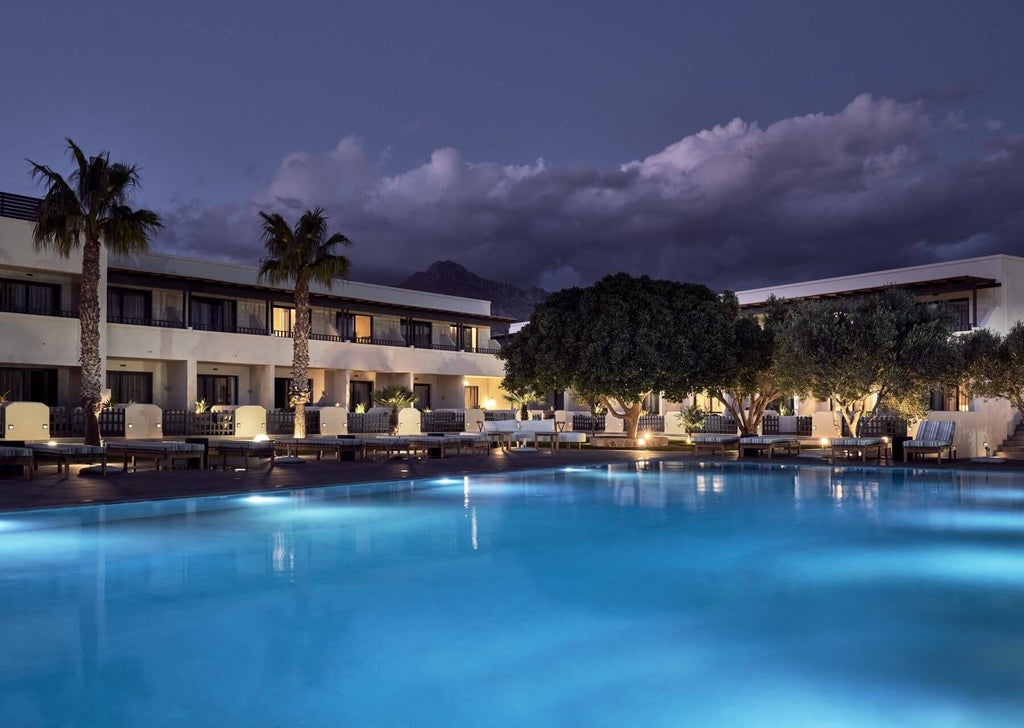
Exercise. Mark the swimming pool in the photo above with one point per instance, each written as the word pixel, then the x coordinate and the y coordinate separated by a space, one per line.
pixel 652 594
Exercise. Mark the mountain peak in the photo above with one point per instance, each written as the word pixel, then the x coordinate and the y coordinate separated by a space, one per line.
pixel 453 279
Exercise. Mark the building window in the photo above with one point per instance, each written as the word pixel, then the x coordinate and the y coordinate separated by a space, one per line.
pixel 215 389
pixel 468 341
pixel 129 306
pixel 422 392
pixel 355 327
pixel 29 385
pixel 39 298
pixel 282 391
pixel 421 334
pixel 961 307
pixel 360 394
pixel 127 387
pixel 212 314
pixel 707 403
pixel 472 397
pixel 949 400
pixel 284 320
pixel 652 404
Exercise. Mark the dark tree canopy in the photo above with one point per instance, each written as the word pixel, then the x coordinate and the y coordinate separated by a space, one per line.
pixel 995 364
pixel 622 338
pixel 883 351
pixel 750 378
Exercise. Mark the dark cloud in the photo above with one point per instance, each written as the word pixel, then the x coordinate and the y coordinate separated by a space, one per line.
pixel 734 206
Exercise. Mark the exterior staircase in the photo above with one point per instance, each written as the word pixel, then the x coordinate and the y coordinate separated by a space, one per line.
pixel 1013 447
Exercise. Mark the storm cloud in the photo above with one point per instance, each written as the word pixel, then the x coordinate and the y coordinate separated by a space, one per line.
pixel 735 206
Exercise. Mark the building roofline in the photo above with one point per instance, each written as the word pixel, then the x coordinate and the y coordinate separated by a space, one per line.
pixel 864 282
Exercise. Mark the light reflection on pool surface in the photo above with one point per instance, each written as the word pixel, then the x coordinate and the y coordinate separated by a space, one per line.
pixel 671 594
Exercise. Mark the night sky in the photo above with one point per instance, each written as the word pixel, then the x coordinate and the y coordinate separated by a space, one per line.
pixel 732 143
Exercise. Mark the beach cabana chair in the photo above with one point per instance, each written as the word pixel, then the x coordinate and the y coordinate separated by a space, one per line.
pixel 933 436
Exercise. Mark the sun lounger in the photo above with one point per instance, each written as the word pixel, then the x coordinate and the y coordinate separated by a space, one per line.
pixel 320 446
pixel 859 446
pixel 713 441
pixel 769 443
pixel 65 453
pixel 165 452
pixel 242 448
pixel 438 443
pixel 933 436
pixel 393 446
pixel 475 441
pixel 18 456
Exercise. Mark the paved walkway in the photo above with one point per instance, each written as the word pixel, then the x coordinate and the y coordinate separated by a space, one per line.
pixel 48 490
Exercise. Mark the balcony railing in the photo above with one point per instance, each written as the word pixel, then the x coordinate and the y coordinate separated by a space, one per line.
pixel 443 421
pixel 652 423
pixel 770 425
pixel 586 423
pixel 278 333
pixel 159 323
pixel 65 422
pixel 177 423
pixel 719 424
pixel 48 311
pixel 368 422
pixel 282 422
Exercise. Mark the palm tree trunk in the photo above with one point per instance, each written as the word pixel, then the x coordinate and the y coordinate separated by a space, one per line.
pixel 300 356
pixel 89 352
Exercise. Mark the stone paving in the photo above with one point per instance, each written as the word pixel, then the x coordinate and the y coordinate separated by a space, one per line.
pixel 47 489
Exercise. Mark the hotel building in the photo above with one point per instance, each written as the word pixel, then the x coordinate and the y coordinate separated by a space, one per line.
pixel 178 330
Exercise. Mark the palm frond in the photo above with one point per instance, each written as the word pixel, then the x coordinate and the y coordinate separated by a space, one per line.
pixel 302 253
pixel 126 231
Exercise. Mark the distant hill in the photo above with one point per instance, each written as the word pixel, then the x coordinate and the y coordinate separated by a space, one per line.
pixel 448 277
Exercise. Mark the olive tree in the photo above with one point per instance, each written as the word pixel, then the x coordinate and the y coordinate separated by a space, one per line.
pixel 994 364
pixel 881 351
pixel 750 375
pixel 621 339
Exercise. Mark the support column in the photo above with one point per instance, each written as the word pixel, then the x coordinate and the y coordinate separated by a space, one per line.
pixel 262 382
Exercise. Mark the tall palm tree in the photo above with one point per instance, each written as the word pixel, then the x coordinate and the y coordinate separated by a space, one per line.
pixel 88 210
pixel 303 254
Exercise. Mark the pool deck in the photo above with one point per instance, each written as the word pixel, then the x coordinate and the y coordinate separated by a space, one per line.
pixel 48 490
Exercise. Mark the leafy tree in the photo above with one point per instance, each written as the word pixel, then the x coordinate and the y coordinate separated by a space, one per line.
pixel 303 254
pixel 883 350
pixel 995 364
pixel 397 398
pixel 89 210
pixel 621 339
pixel 751 377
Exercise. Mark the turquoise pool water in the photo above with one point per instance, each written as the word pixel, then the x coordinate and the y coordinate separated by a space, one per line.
pixel 665 595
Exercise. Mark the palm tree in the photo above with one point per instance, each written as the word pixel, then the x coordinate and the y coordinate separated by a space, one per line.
pixel 304 255
pixel 396 397
pixel 89 210
pixel 522 399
